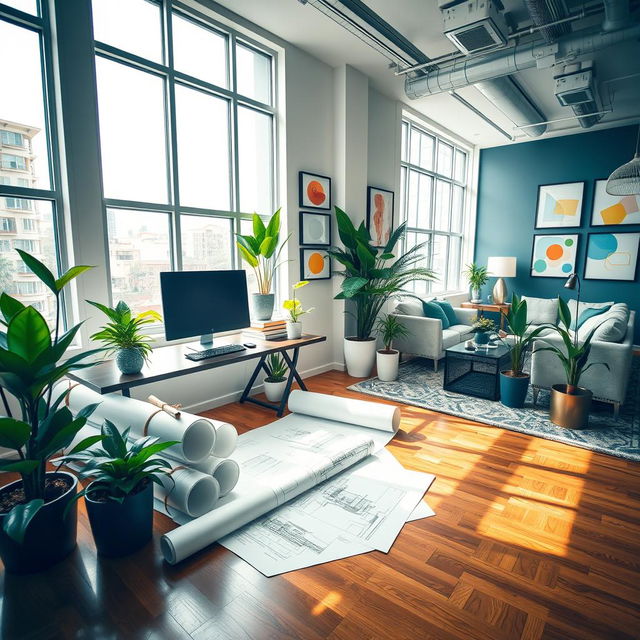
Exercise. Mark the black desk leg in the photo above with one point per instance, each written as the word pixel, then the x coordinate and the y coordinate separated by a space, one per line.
pixel 126 392
pixel 292 374
pixel 292 367
pixel 254 375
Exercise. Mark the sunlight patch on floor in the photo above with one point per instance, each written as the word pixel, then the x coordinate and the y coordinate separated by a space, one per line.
pixel 328 602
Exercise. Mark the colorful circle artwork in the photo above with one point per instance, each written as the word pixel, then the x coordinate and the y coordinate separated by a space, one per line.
pixel 553 256
pixel 540 266
pixel 554 252
pixel 316 193
pixel 315 263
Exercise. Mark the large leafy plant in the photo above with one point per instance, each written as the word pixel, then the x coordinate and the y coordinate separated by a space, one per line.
pixel 372 275
pixel 260 250
pixel 476 275
pixel 124 331
pixel 32 360
pixel 119 467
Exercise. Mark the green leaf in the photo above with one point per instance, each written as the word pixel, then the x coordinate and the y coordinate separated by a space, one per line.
pixel 273 228
pixel 110 313
pixel 259 230
pixel 28 334
pixel 393 239
pixel 24 467
pixel 249 243
pixel 9 306
pixel 41 270
pixel 113 441
pixel 268 246
pixel 85 444
pixel 67 277
pixel 346 230
pixel 387 256
pixel 14 434
pixel 249 258
pixel 16 523
pixel 351 286
pixel 564 313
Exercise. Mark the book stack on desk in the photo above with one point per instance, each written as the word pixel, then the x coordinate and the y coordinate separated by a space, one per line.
pixel 266 330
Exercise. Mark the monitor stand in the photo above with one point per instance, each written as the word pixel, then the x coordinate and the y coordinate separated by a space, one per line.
pixel 206 342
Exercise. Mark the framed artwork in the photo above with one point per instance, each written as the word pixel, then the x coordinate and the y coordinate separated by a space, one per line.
pixel 612 256
pixel 315 264
pixel 613 210
pixel 554 256
pixel 315 228
pixel 314 191
pixel 559 205
pixel 379 215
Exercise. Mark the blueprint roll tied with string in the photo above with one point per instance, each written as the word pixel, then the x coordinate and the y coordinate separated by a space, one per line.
pixel 274 519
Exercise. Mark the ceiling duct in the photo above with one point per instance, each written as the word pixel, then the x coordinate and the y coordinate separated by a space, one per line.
pixel 545 15
pixel 616 14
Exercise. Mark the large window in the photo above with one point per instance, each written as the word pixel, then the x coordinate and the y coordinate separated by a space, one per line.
pixel 187 128
pixel 433 192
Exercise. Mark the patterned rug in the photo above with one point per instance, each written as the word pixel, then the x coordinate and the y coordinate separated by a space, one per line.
pixel 419 385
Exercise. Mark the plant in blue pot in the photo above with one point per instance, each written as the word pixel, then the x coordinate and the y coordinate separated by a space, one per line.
pixel 123 335
pixel 483 328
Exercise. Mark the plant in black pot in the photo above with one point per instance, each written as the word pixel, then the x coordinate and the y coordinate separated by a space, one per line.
pixel 35 532
pixel 119 499
pixel 483 328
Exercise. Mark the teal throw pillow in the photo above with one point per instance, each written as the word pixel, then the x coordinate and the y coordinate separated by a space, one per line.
pixel 445 305
pixel 590 312
pixel 433 310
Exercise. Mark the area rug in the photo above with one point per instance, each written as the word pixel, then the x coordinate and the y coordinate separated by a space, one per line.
pixel 419 385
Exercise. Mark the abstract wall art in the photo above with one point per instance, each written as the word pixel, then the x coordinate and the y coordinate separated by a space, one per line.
pixel 554 256
pixel 315 264
pixel 612 256
pixel 315 228
pixel 613 210
pixel 559 205
pixel 379 215
pixel 314 191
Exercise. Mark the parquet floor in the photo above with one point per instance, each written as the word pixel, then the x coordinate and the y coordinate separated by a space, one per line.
pixel 532 540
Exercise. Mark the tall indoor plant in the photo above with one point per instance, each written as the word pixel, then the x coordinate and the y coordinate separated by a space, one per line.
pixel 123 335
pixel 262 253
pixel 388 358
pixel 295 310
pixel 35 533
pixel 477 276
pixel 371 277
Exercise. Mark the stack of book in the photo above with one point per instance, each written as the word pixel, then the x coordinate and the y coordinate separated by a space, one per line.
pixel 273 329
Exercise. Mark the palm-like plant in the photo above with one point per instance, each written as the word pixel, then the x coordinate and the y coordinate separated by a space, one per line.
pixel 521 336
pixel 476 275
pixel 371 275
pixel 390 328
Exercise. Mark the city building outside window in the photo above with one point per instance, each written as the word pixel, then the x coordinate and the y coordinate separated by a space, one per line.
pixel 11 138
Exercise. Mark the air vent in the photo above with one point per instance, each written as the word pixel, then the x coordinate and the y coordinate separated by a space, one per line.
pixel 575 88
pixel 475 25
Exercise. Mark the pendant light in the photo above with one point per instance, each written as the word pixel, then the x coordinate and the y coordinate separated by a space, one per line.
pixel 625 180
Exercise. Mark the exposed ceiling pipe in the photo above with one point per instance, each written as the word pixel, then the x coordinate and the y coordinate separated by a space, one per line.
pixel 616 14
pixel 549 17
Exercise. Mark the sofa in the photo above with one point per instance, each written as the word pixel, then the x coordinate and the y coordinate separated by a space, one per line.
pixel 426 336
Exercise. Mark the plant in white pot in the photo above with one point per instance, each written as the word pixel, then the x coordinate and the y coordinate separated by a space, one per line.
pixel 372 275
pixel 261 252
pixel 388 358
pixel 477 276
pixel 296 311
pixel 276 381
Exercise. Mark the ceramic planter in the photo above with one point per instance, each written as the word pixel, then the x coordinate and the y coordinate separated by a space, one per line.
pixel 482 337
pixel 50 536
pixel 274 390
pixel 359 356
pixel 513 389
pixel 262 305
pixel 121 528
pixel 475 295
pixel 129 361
pixel 294 330
pixel 387 362
pixel 570 410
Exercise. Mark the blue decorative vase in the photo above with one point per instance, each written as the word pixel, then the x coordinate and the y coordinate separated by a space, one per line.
pixel 513 390
pixel 129 360
pixel 262 304
pixel 482 337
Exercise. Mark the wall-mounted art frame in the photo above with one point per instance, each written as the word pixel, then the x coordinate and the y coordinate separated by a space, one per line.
pixel 554 255
pixel 559 206
pixel 612 256
pixel 314 191
pixel 315 228
pixel 315 263
pixel 610 210
pixel 379 215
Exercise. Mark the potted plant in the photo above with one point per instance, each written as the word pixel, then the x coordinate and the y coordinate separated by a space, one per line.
pixel 514 382
pixel 276 380
pixel 34 534
pixel 570 403
pixel 119 500
pixel 260 251
pixel 295 311
pixel 477 276
pixel 372 276
pixel 483 328
pixel 123 336
pixel 388 359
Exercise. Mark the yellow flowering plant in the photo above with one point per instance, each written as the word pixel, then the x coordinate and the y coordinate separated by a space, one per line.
pixel 294 306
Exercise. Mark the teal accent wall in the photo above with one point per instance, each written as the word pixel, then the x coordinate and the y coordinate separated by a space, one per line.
pixel 509 177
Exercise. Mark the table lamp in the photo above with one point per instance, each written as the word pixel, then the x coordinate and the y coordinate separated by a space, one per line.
pixel 501 267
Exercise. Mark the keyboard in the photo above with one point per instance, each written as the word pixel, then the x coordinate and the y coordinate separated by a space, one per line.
pixel 223 350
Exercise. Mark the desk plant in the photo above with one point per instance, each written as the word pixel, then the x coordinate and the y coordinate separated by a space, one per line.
pixel 483 328
pixel 388 358
pixel 371 276
pixel 262 253
pixel 276 381
pixel 123 335
pixel 33 358
pixel 119 500
pixel 477 276
pixel 296 311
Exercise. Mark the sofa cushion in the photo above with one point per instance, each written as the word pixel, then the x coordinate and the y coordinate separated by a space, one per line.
pixel 433 310
pixel 463 330
pixel 450 338
pixel 613 327
pixel 541 310
pixel 445 305
pixel 586 305
pixel 410 308
pixel 587 314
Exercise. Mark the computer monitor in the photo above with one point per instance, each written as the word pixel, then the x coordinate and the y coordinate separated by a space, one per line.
pixel 200 303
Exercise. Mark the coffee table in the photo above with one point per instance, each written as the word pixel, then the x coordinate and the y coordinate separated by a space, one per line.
pixel 475 373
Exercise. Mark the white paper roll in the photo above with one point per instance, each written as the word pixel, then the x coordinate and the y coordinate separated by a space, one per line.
pixel 374 415
pixel 188 490
pixel 224 470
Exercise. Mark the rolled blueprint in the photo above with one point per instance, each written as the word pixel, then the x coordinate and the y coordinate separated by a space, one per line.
pixel 224 470
pixel 374 415
pixel 188 490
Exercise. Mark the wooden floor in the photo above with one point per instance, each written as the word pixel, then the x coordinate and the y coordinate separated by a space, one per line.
pixel 532 540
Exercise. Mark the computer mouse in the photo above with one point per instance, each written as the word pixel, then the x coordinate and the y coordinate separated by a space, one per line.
pixel 249 345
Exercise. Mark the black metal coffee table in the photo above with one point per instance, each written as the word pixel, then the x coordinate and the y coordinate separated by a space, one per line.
pixel 475 373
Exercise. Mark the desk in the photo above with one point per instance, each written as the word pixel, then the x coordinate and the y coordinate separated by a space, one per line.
pixel 502 309
pixel 170 362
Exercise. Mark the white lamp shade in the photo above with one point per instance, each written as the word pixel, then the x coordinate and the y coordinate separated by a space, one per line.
pixel 501 267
